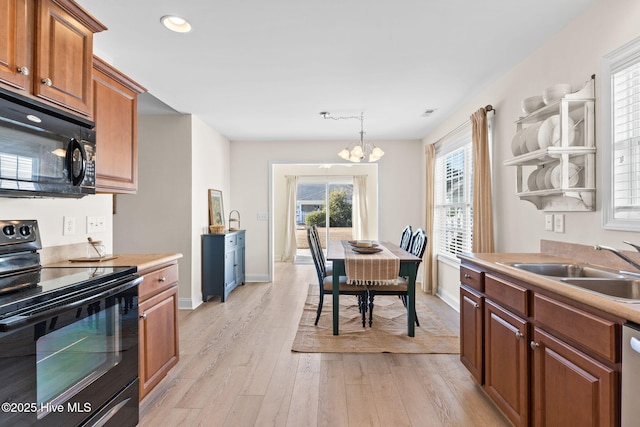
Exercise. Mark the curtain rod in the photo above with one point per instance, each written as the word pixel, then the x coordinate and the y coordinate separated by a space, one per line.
pixel 437 144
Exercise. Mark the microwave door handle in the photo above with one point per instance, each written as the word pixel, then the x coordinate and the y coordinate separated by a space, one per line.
pixel 73 146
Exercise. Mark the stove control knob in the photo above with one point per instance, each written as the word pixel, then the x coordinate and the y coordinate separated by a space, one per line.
pixel 9 230
pixel 25 230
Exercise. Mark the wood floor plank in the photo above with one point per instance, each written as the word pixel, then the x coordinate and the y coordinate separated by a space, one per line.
pixel 332 397
pixel 236 368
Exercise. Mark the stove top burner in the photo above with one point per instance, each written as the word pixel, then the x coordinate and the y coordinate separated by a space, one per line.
pixel 50 282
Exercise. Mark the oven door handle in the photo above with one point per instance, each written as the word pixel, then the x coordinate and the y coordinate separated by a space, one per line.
pixel 26 319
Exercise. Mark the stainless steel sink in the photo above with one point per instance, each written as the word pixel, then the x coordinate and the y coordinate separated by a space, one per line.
pixel 625 289
pixel 567 270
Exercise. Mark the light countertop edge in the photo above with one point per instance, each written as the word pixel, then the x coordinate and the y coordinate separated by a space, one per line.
pixel 491 261
pixel 141 261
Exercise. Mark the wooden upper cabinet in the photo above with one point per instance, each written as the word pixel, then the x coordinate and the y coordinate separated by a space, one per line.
pixel 14 44
pixel 115 112
pixel 64 55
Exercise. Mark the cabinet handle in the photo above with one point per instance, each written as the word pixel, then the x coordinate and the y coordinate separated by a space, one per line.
pixel 162 279
pixel 23 70
pixel 143 316
pixel 47 82
pixel 476 306
pixel 534 345
pixel 519 335
pixel 467 276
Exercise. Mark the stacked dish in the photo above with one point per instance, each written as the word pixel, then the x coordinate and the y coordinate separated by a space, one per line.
pixel 531 104
pixel 549 134
pixel 549 177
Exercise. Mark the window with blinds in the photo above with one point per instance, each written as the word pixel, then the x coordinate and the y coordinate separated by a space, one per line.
pixel 454 199
pixel 625 99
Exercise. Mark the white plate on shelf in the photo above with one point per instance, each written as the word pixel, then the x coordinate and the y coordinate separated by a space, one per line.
pixel 547 177
pixel 549 133
pixel 574 175
pixel 515 142
pixel 531 137
pixel 531 181
pixel 540 178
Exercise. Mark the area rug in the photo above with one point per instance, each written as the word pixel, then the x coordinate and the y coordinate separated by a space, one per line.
pixel 388 333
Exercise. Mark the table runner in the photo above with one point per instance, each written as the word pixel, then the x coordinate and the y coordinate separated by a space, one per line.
pixel 371 269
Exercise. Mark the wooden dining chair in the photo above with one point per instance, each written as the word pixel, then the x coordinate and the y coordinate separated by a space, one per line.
pixel 405 238
pixel 325 278
pixel 418 246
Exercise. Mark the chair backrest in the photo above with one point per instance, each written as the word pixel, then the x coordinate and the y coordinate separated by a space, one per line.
pixel 405 239
pixel 419 243
pixel 316 236
pixel 316 254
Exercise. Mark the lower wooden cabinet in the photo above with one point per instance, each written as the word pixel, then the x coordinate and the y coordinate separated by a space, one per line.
pixel 158 326
pixel 471 333
pixel 569 387
pixel 544 361
pixel 507 362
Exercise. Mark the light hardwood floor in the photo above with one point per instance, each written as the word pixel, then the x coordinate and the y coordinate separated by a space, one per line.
pixel 236 369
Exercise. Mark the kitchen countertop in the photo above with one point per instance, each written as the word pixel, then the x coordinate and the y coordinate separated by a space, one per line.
pixel 142 261
pixel 628 311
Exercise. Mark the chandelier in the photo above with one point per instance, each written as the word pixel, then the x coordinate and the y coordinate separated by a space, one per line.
pixel 361 150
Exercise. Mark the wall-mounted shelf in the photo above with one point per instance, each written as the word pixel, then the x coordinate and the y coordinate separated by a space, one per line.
pixel 561 175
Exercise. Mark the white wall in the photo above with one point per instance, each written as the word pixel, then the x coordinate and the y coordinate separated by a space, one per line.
pixel 50 212
pixel 209 169
pixel 400 188
pixel 279 193
pixel 572 56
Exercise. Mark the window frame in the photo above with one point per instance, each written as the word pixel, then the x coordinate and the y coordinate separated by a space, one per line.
pixel 461 140
pixel 626 55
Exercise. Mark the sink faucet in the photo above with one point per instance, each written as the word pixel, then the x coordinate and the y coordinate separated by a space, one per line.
pixel 620 254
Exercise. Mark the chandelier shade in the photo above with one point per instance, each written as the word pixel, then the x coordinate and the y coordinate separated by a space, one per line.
pixel 360 151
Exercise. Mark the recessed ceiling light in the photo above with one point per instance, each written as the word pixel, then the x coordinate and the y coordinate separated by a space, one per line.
pixel 175 23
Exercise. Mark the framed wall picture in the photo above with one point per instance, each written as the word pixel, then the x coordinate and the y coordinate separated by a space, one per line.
pixel 216 210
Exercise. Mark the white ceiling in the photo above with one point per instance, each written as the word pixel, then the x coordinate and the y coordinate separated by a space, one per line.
pixel 264 70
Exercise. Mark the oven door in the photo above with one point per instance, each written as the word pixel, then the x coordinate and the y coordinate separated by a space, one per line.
pixel 67 363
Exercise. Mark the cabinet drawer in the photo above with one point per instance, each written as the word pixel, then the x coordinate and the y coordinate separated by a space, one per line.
pixel 472 278
pixel 231 241
pixel 158 280
pixel 509 294
pixel 593 332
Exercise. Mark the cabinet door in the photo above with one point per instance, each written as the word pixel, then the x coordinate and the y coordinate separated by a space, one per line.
pixel 115 112
pixel 14 68
pixel 471 312
pixel 229 269
pixel 64 59
pixel 507 362
pixel 569 387
pixel 158 337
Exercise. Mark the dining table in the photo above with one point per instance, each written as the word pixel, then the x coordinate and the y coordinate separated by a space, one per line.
pixel 408 267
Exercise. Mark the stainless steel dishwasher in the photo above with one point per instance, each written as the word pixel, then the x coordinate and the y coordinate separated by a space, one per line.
pixel 630 374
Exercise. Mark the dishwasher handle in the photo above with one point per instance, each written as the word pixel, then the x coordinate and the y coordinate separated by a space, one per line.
pixel 635 344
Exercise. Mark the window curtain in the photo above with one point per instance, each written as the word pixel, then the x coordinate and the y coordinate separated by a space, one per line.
pixel 290 245
pixel 359 216
pixel 482 201
pixel 430 273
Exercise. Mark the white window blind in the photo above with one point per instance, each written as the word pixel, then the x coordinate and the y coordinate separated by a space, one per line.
pixel 454 199
pixel 625 83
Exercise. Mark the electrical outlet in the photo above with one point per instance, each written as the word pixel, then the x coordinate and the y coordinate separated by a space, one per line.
pixel 548 222
pixel 558 220
pixel 69 226
pixel 95 224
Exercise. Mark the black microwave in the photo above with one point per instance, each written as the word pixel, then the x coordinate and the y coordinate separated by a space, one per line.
pixel 44 151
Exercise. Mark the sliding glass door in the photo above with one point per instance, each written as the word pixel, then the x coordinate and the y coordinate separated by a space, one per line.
pixel 327 203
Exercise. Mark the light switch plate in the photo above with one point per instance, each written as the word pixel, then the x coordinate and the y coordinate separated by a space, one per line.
pixel 69 226
pixel 558 225
pixel 95 224
pixel 548 222
pixel 263 216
